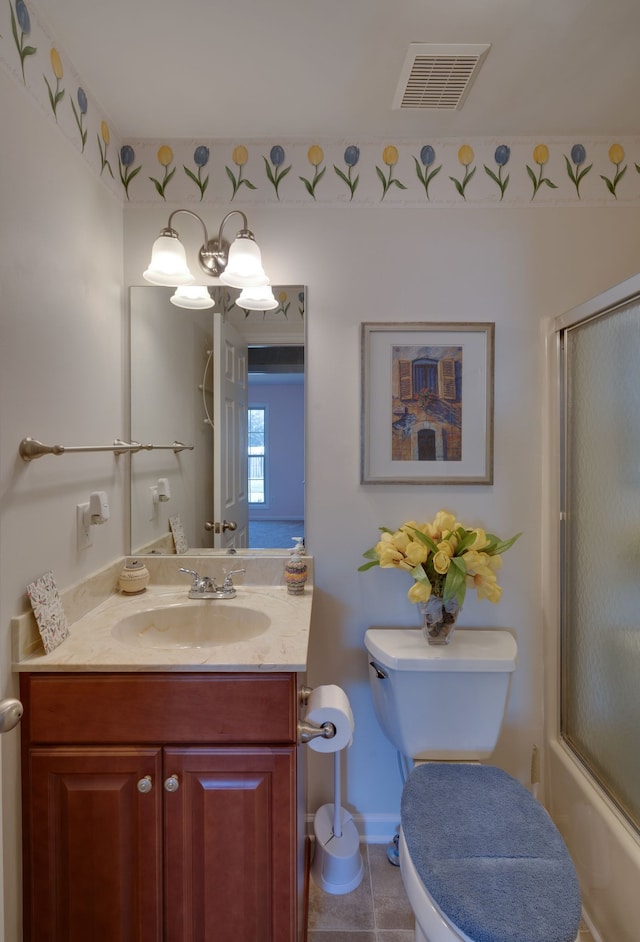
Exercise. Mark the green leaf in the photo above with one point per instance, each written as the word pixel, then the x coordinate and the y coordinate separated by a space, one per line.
pixel 248 184
pixel 382 178
pixel 499 546
pixel 455 584
pixel 570 172
pixel 419 174
pixel 397 183
pixel 532 177
pixel 433 173
pixel 619 176
pixel 371 554
pixel 420 575
pixel 610 185
pixel 344 177
pixel 158 186
pixel 191 175
pixel 458 186
pixel 423 538
pixel 493 175
pixel 268 169
pixel 366 566
pixel 553 186
pixel 309 187
pixel 465 539
pixel 584 172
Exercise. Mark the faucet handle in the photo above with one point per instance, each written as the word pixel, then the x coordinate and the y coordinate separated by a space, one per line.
pixel 192 572
pixel 228 581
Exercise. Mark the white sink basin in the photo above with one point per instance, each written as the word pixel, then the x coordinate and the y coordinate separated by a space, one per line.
pixel 193 624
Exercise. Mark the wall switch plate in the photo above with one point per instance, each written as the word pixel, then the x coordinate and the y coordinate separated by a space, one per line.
pixel 84 530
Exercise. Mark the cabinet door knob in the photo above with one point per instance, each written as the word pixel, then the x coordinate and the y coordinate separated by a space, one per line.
pixel 145 785
pixel 171 784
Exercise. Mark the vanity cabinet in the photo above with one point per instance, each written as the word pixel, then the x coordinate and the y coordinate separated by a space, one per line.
pixel 161 808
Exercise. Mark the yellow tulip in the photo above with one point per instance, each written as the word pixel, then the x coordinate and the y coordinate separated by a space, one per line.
pixel 481 575
pixel 465 155
pixel 416 552
pixel 282 297
pixel 616 154
pixel 315 155
pixel 165 155
pixel 444 522
pixel 541 154
pixel 390 155
pixel 441 562
pixel 480 540
pixel 56 63
pixel 240 155
pixel 419 592
pixel 104 131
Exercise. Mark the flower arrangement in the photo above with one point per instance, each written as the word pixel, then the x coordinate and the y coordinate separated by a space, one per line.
pixel 444 558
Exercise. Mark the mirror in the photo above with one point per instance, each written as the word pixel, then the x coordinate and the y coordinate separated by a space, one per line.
pixel 228 385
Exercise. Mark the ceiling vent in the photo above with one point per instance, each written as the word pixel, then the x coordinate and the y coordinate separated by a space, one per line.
pixel 438 76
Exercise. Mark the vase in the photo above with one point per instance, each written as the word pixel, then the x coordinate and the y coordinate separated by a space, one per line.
pixel 438 619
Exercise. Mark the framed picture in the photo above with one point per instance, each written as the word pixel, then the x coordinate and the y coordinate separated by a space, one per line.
pixel 427 403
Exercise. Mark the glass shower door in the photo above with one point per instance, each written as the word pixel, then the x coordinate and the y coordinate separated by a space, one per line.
pixel 600 656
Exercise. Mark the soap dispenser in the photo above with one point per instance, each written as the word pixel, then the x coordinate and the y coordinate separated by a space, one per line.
pixel 295 571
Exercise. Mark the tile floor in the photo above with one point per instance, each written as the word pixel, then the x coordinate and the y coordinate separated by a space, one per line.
pixel 377 911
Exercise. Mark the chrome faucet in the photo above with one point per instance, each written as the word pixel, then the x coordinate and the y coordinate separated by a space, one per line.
pixel 205 587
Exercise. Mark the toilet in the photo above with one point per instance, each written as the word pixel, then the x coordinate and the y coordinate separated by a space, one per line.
pixel 480 858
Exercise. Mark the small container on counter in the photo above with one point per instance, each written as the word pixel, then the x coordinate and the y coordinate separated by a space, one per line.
pixel 134 577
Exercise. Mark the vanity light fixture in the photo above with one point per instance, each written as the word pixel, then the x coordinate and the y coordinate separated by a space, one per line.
pixel 194 297
pixel 238 265
pixel 257 299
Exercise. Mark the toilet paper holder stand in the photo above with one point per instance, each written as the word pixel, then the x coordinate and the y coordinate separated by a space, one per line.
pixel 308 731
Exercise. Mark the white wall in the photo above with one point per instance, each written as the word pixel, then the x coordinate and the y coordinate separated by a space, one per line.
pixel 61 380
pixel 514 267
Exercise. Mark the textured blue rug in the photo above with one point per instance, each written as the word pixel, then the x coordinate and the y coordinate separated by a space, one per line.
pixel 274 534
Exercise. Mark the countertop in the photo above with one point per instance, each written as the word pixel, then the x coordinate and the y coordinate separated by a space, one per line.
pixel 91 645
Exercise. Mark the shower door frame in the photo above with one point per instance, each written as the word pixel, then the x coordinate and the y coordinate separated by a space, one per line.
pixel 603 844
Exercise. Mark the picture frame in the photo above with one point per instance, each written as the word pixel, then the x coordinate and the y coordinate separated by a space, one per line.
pixel 427 403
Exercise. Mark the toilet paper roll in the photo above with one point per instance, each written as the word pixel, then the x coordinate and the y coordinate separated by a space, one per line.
pixel 330 704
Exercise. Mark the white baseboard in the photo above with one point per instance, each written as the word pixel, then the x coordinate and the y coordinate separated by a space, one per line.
pixel 372 828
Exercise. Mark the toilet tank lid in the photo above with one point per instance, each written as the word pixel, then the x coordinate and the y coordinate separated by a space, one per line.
pixel 471 649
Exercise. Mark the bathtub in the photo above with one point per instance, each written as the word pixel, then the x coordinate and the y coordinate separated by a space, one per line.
pixel 604 847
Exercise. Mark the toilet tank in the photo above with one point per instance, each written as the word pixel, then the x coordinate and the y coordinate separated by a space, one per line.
pixel 441 701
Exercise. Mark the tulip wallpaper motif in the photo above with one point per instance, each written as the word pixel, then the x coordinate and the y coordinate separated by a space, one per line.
pixel 423 173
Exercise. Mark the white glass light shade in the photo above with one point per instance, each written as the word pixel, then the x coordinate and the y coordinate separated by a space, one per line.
pixel 244 267
pixel 257 299
pixel 194 297
pixel 168 265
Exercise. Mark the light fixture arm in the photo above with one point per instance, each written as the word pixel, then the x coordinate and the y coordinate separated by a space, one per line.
pixel 213 254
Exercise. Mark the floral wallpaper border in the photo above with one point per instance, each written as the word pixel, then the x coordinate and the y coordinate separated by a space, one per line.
pixel 407 173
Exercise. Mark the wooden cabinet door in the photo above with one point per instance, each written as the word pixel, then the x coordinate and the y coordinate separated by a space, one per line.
pixel 230 845
pixel 93 866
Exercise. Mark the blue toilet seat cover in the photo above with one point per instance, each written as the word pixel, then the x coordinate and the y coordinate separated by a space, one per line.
pixel 489 854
